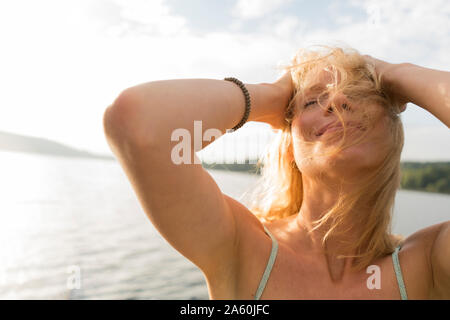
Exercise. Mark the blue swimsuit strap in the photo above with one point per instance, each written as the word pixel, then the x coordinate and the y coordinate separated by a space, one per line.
pixel 398 274
pixel 273 255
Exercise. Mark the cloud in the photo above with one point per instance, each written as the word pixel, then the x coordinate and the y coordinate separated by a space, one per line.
pixel 396 31
pixel 250 9
pixel 404 30
pixel 73 58
pixel 128 17
pixel 286 27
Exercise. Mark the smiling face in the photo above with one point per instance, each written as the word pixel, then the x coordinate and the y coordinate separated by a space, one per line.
pixel 317 131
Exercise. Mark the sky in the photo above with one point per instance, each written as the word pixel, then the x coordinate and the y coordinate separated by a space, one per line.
pixel 64 62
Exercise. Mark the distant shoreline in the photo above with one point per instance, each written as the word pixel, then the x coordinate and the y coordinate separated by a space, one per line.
pixel 416 176
pixel 419 176
pixel 25 144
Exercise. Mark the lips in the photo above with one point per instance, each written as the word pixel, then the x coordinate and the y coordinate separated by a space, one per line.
pixel 332 125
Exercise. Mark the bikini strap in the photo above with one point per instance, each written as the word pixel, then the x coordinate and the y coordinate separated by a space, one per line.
pixel 398 274
pixel 273 255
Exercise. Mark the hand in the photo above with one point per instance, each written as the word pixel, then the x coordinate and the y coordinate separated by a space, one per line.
pixel 285 83
pixel 285 88
pixel 384 70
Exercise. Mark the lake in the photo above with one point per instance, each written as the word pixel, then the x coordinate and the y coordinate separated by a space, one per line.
pixel 72 228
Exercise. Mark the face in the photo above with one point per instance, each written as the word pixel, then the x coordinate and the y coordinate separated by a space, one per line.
pixel 311 139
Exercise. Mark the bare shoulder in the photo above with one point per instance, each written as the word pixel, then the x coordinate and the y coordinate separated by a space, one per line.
pixel 424 237
pixel 428 250
pixel 440 262
pixel 419 244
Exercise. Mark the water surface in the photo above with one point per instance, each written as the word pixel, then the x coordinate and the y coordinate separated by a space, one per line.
pixel 59 216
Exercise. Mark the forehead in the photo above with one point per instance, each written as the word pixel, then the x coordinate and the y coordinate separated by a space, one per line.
pixel 320 81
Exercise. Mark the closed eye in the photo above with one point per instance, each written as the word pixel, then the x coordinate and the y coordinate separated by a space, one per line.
pixel 322 97
pixel 310 103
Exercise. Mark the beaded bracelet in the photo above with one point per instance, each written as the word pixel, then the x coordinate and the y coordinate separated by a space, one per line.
pixel 247 102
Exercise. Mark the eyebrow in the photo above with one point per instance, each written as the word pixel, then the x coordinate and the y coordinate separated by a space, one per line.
pixel 315 89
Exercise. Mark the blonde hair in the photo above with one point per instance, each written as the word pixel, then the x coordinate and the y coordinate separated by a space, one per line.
pixel 280 191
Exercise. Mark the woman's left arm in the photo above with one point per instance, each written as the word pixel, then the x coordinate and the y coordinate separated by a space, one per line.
pixel 427 88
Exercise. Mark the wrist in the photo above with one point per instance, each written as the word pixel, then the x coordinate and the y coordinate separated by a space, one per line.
pixel 394 72
pixel 394 78
pixel 264 101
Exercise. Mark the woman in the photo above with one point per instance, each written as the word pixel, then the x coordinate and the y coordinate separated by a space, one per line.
pixel 319 228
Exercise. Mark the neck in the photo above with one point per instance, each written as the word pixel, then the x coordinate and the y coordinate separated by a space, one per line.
pixel 317 200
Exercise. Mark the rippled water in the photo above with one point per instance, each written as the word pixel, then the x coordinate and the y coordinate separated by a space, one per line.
pixel 66 222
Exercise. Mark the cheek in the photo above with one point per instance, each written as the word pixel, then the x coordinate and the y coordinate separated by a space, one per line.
pixel 371 152
pixel 303 148
pixel 302 127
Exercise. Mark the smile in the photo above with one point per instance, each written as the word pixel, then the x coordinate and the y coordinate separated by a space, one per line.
pixel 338 127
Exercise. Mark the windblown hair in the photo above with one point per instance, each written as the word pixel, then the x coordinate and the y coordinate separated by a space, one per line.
pixel 280 191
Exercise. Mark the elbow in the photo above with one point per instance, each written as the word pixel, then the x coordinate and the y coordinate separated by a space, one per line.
pixel 121 118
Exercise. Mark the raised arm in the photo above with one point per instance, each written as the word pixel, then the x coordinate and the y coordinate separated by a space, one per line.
pixel 182 200
pixel 427 88
pixel 155 109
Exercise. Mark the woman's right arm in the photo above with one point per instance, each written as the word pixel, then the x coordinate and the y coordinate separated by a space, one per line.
pixel 182 200
pixel 155 109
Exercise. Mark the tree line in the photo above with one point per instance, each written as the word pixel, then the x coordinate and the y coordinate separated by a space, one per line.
pixel 426 176
pixel 420 176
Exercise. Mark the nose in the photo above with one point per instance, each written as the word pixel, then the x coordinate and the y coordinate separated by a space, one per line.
pixel 340 101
